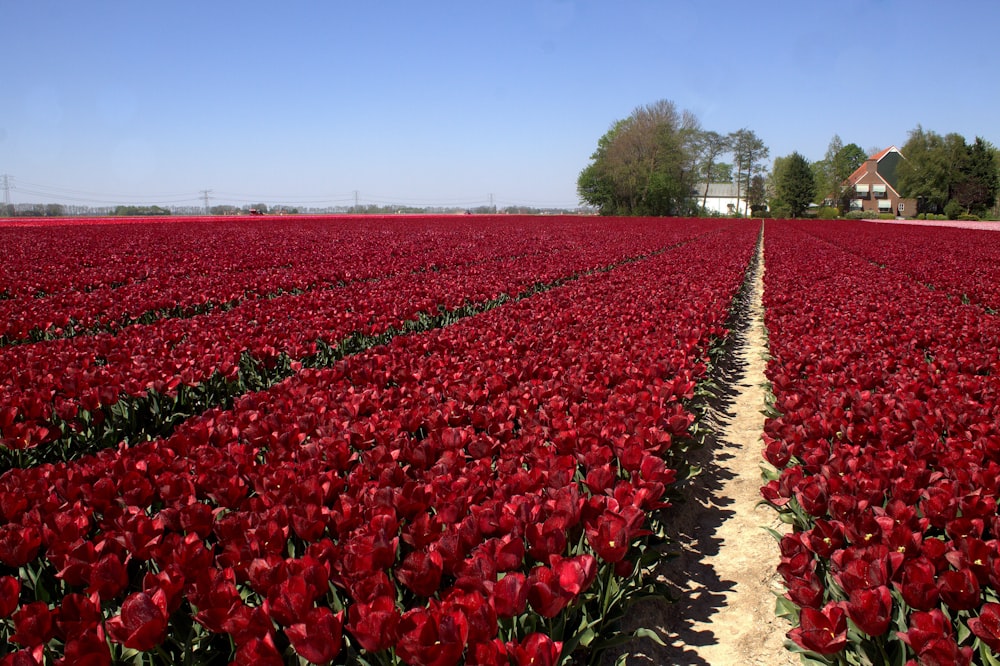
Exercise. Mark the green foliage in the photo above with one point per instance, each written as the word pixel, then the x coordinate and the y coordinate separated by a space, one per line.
pixel 644 165
pixel 839 162
pixel 135 211
pixel 978 184
pixel 857 215
pixel 827 213
pixel 795 185
pixel 780 210
pixel 749 152
pixel 952 209
pixel 947 174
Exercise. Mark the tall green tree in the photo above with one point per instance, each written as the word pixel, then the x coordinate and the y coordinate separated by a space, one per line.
pixel 645 164
pixel 711 146
pixel 795 185
pixel 749 152
pixel 831 172
pixel 976 189
pixel 932 167
pixel 757 194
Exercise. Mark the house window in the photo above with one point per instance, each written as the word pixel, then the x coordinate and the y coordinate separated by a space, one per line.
pixel 857 204
pixel 878 191
pixel 884 205
pixel 862 191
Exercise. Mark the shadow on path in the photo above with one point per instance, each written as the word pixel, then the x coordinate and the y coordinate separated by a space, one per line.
pixel 701 507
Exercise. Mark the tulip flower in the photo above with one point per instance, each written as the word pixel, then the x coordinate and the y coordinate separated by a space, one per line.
pixel 822 631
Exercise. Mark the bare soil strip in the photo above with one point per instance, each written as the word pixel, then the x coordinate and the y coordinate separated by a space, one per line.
pixel 724 571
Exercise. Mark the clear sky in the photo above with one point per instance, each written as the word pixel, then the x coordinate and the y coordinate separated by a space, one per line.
pixel 441 103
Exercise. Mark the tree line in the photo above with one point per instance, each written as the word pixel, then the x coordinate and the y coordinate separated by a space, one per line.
pixel 651 163
pixel 660 161
pixel 946 175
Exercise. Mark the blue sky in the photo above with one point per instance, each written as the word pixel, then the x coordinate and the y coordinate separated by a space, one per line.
pixel 452 102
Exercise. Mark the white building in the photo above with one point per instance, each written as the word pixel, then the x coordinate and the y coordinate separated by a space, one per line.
pixel 721 198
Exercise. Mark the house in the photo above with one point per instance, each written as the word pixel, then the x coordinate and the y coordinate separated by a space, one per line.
pixel 721 198
pixel 875 182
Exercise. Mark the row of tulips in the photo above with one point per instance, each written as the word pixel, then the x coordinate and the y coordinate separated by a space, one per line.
pixel 885 447
pixel 480 493
pixel 57 285
pixel 963 262
pixel 78 394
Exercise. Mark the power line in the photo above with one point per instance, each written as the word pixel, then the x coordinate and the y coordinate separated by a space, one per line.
pixel 205 196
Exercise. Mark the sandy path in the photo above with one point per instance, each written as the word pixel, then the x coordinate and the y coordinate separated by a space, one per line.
pixel 724 574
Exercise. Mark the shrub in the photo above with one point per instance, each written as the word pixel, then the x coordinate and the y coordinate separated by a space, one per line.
pixel 886 216
pixel 968 217
pixel 857 215
pixel 827 213
pixel 953 209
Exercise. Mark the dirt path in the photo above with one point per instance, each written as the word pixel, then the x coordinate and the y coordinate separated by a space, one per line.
pixel 724 574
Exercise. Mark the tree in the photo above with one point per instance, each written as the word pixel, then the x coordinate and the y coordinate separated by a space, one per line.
pixel 976 189
pixel 823 172
pixel 711 145
pixel 931 169
pixel 757 194
pixel 795 185
pixel 831 172
pixel 847 160
pixel 645 164
pixel 748 152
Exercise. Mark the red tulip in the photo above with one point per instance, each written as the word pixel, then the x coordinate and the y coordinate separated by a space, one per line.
pixel 33 657
pixel 492 653
pixel 547 538
pixel 825 537
pixel 19 544
pixel 258 651
pixel 318 637
pixel 108 578
pixel 546 596
pixel 510 594
pixel 536 650
pixel 929 635
pixel 433 636
pixel 959 589
pixel 374 624
pixel 609 537
pixel 421 572
pixel 10 591
pixel 575 574
pixel 924 628
pixel 813 494
pixel 806 591
pixel 822 631
pixel 33 624
pixel 987 625
pixel 871 610
pixel 88 648
pixel 78 615
pixel 142 624
pixel 290 601
pixel 918 584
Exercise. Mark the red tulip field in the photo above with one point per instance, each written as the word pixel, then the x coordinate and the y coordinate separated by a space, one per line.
pixel 885 440
pixel 458 440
